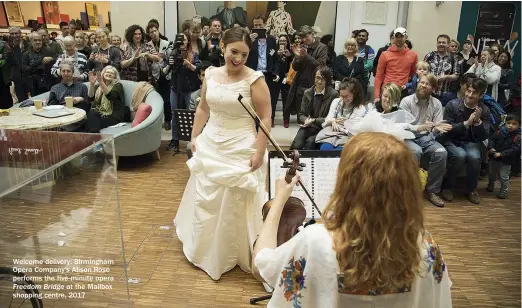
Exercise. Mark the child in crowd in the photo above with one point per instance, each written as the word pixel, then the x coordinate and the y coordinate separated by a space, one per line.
pixel 504 148
pixel 195 97
pixel 423 68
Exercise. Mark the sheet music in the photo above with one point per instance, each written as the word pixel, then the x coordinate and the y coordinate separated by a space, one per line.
pixel 325 176
pixel 306 178
pixel 319 177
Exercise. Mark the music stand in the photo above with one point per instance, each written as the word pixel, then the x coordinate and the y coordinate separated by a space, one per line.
pixel 184 123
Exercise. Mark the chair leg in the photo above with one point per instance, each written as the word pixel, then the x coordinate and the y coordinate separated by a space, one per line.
pixel 156 154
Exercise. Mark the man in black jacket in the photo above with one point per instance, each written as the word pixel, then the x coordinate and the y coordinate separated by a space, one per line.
pixel 231 15
pixel 263 56
pixel 470 122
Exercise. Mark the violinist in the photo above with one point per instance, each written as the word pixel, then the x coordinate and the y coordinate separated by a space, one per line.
pixel 367 247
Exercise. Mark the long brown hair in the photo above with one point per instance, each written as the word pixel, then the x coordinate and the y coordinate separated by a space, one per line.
pixel 376 213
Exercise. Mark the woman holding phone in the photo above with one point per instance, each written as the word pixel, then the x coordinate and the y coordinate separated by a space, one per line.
pixel 285 57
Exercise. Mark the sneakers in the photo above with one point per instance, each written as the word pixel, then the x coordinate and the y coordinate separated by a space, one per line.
pixel 167 126
pixel 173 145
pixel 473 197
pixel 447 195
pixel 435 200
pixel 490 187
pixel 502 194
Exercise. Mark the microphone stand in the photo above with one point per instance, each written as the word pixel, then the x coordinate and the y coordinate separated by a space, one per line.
pixel 281 153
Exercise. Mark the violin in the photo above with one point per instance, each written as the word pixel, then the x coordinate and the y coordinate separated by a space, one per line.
pixel 294 211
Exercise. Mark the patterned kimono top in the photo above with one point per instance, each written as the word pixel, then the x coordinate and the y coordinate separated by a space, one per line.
pixel 141 69
pixel 279 22
pixel 304 272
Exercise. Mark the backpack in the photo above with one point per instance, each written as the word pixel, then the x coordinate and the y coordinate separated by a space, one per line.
pixel 497 114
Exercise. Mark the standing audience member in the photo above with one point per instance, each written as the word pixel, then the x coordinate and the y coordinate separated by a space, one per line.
pixel 161 84
pixel 103 54
pixel 6 72
pixel 350 65
pixel 47 42
pixel 308 57
pixel 328 41
pixel 488 70
pixel 423 68
pixel 366 52
pixel 64 29
pixel 156 22
pixel 468 55
pixel 36 65
pixel 213 43
pixel 18 47
pixel 504 149
pixel 107 100
pixel 445 66
pixel 285 57
pixel 397 64
pixel 427 111
pixel 345 111
pixel 136 64
pixel 71 55
pixel 279 21
pixel 470 122
pixel 93 40
pixel 81 43
pixel 380 51
pixel 195 97
pixel 314 109
pixel 507 78
pixel 116 40
pixel 263 58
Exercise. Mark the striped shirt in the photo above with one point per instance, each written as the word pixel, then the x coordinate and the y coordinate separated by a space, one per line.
pixel 79 61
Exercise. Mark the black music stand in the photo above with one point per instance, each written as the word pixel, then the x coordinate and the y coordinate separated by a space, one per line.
pixel 184 123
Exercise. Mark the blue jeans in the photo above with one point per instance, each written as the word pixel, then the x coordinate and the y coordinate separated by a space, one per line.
pixel 330 147
pixel 177 99
pixel 437 154
pixel 468 154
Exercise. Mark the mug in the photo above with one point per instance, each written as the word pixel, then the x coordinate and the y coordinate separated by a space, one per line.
pixel 69 102
pixel 37 104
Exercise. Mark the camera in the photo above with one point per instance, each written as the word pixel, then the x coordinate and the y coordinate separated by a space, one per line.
pixel 177 53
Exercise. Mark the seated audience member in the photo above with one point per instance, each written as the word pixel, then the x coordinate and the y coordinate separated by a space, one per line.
pixel 349 65
pixel 71 55
pixel 470 120
pixel 464 80
pixel 423 68
pixel 427 111
pixel 504 150
pixel 488 70
pixel 390 98
pixel 507 78
pixel 68 88
pixel 314 108
pixel 345 111
pixel 107 100
pixel 370 251
pixel 196 95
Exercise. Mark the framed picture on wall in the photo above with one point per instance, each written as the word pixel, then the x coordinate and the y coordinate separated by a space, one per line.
pixel 375 13
pixel 13 13
pixel 3 17
pixel 92 15
pixel 51 14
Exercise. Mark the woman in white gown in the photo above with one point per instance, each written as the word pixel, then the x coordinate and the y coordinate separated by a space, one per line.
pixel 219 217
pixel 372 251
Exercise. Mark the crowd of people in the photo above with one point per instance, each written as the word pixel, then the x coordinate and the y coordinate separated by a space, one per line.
pixel 466 109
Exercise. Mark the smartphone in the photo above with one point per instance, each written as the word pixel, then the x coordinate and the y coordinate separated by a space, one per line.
pixel 261 33
pixel 282 48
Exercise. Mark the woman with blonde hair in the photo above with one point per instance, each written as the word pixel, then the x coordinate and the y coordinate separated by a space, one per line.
pixel 350 65
pixel 372 243
pixel 107 100
pixel 390 98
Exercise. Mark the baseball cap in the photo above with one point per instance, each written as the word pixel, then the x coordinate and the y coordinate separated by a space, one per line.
pixel 400 30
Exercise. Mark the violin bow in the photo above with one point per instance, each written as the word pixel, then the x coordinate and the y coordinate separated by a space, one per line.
pixel 263 128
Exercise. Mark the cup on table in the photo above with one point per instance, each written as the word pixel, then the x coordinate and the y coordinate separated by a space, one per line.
pixel 69 102
pixel 37 104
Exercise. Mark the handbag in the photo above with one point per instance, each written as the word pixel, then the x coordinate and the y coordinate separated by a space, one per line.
pixel 291 75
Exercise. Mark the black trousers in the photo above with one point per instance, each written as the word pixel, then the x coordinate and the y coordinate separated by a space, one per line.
pixel 278 87
pixel 6 100
pixel 305 139
pixel 163 88
pixel 298 98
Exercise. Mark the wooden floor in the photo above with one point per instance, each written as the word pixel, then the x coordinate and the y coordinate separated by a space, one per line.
pixel 481 243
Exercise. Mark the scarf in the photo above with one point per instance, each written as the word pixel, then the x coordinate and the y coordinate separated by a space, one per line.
pixel 140 94
pixel 102 104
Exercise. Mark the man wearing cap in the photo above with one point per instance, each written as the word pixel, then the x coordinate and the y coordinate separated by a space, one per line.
pixel 397 64
pixel 308 56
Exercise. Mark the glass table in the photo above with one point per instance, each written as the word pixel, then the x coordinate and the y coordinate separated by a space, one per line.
pixel 61 240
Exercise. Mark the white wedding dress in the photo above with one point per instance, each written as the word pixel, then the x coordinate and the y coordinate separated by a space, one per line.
pixel 219 217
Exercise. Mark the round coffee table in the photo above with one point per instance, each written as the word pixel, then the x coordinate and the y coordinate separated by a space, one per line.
pixel 24 119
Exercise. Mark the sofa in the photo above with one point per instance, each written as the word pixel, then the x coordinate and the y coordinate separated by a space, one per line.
pixel 142 139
